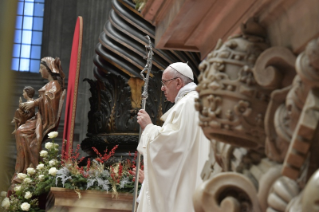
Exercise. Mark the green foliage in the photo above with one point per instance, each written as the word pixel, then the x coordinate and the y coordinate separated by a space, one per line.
pixel 65 172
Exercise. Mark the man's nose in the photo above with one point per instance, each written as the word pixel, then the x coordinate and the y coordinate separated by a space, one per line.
pixel 162 88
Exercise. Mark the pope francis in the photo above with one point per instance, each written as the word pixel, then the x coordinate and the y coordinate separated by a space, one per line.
pixel 175 153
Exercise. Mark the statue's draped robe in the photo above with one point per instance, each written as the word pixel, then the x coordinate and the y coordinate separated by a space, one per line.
pixel 174 156
pixel 21 116
pixel 29 136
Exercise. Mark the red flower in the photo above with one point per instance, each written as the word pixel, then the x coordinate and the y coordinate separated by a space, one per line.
pixel 120 169
pixel 88 165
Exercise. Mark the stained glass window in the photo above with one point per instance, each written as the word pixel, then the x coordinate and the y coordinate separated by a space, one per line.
pixel 28 36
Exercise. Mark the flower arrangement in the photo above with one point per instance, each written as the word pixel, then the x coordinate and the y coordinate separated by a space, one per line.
pixel 54 171
pixel 35 182
pixel 96 175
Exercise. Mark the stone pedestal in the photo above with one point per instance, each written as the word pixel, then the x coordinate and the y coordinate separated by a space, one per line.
pixel 61 199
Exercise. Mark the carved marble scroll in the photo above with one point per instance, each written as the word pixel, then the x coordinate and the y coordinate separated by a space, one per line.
pixel 274 69
pixel 261 113
pixel 229 192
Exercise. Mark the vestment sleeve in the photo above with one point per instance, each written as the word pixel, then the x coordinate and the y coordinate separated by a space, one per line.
pixel 167 144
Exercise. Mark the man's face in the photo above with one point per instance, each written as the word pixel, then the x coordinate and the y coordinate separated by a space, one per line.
pixel 171 86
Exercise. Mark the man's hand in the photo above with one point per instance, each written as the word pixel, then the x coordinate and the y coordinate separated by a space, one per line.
pixel 140 175
pixel 143 118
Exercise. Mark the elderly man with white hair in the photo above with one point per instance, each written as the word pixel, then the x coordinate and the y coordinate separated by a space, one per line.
pixel 175 153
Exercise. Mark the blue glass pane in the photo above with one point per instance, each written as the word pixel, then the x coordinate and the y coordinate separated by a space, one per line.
pixel 29 0
pixel 25 51
pixel 28 9
pixel 35 52
pixel 26 36
pixel 16 50
pixel 37 24
pixel 37 38
pixel 17 36
pixel 39 1
pixel 38 9
pixel 15 64
pixel 20 8
pixel 27 22
pixel 19 22
pixel 35 66
pixel 24 64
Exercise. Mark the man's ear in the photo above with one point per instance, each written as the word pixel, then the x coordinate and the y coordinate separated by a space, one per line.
pixel 180 83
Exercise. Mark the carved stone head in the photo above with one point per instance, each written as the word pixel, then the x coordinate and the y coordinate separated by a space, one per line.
pixel 231 104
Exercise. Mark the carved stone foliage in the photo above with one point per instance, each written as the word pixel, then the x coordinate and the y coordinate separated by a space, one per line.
pixel 231 104
pixel 281 159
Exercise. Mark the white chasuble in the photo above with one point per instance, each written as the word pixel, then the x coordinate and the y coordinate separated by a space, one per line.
pixel 174 156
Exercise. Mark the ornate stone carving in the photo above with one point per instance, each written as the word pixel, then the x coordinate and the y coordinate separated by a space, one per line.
pixel 274 69
pixel 282 191
pixel 303 136
pixel 279 164
pixel 229 192
pixel 302 103
pixel 308 199
pixel 231 104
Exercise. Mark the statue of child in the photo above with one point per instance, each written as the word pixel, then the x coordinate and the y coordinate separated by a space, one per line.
pixel 22 115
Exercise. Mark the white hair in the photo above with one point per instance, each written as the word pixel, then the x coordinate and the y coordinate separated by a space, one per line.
pixel 175 73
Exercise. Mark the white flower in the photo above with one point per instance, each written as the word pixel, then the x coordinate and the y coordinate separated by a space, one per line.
pixel 53 134
pixel 53 171
pixel 28 195
pixel 3 193
pixel 41 177
pixel 17 188
pixel 40 166
pixel 48 145
pixel 56 145
pixel 5 203
pixel 30 171
pixel 53 162
pixel 22 176
pixel 25 206
pixel 27 180
pixel 43 153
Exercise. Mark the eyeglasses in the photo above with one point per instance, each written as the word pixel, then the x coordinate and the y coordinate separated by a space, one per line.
pixel 165 81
